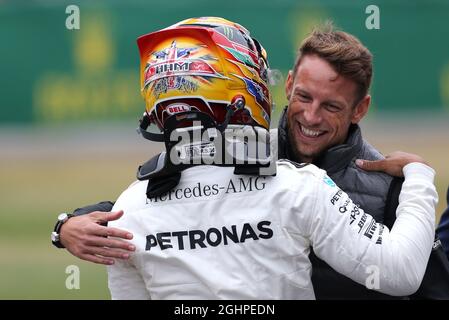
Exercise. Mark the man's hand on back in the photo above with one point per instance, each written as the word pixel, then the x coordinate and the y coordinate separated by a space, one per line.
pixel 87 239
pixel 392 164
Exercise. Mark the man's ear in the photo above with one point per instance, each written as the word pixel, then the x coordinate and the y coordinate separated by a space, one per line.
pixel 289 85
pixel 361 109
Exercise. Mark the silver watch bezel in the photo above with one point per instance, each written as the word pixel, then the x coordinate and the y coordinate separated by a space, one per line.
pixel 63 217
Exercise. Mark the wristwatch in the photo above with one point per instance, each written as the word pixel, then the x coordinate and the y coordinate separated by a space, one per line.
pixel 62 218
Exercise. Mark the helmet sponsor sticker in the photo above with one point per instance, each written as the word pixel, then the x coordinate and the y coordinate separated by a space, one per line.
pixel 174 61
pixel 175 108
pixel 179 83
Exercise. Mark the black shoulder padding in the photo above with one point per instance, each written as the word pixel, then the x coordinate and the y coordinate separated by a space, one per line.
pixel 159 186
pixel 151 166
pixel 161 175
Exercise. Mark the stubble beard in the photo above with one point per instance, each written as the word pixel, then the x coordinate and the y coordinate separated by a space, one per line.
pixel 297 154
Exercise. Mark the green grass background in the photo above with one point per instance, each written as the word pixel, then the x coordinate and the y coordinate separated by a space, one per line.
pixel 45 172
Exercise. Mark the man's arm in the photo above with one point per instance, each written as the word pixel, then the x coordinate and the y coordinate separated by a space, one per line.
pixel 355 245
pixel 435 284
pixel 104 206
pixel 86 235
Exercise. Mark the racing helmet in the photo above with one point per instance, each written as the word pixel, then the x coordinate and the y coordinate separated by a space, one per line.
pixel 207 65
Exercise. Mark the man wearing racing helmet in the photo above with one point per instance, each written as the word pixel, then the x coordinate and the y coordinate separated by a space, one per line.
pixel 246 56
pixel 227 231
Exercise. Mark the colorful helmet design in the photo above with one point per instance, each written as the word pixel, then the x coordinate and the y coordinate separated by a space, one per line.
pixel 205 64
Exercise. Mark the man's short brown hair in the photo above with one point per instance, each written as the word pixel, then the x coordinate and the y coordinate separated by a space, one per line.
pixel 344 52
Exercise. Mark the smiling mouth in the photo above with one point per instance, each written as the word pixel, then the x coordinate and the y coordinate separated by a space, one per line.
pixel 309 133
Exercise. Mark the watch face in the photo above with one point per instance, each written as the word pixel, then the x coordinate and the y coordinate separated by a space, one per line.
pixel 62 217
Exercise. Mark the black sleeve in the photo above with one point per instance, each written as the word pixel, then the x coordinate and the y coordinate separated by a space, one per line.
pixel 101 206
pixel 435 284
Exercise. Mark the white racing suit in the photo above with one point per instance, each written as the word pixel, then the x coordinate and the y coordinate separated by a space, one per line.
pixel 223 236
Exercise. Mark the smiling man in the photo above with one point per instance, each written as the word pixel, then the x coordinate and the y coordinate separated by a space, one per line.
pixel 328 94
